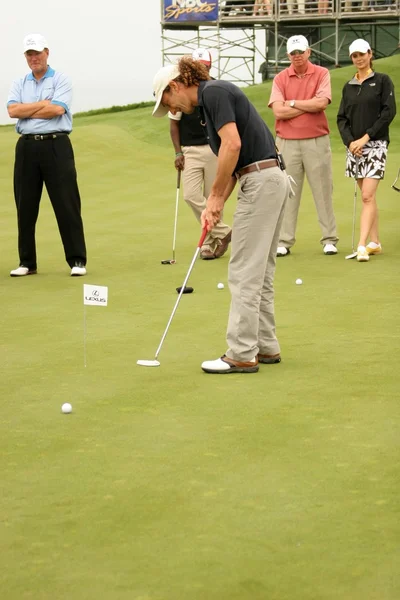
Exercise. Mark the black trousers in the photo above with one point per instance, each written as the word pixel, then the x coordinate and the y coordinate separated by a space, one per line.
pixel 48 161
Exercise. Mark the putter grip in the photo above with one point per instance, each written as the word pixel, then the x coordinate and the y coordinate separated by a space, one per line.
pixel 178 179
pixel 203 236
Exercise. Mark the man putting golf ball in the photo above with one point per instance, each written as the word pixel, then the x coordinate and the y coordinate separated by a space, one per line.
pixel 247 154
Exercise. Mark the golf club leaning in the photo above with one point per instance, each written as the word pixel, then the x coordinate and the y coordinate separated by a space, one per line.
pixel 155 362
pixel 354 252
pixel 395 181
pixel 178 187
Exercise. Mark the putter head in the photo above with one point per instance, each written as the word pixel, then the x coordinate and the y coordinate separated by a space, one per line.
pixel 148 363
pixel 350 256
pixel 168 262
pixel 187 290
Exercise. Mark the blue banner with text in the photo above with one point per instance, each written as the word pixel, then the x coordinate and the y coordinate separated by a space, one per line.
pixel 176 11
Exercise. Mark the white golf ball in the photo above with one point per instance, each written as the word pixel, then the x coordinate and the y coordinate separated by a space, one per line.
pixel 299 281
pixel 66 408
pixel 220 286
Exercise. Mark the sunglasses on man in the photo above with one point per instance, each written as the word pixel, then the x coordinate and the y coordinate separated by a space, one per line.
pixel 295 52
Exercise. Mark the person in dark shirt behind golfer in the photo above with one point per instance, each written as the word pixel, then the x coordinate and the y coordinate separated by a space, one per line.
pixel 198 164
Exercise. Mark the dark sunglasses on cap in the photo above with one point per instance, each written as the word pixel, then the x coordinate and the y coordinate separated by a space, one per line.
pixel 296 52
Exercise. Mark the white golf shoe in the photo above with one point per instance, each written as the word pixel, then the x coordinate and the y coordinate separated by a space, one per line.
pixel 282 251
pixel 22 271
pixel 373 248
pixel 228 365
pixel 330 249
pixel 78 270
pixel 362 254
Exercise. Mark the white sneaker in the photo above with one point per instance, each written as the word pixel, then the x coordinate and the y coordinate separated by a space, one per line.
pixel 330 249
pixel 22 271
pixel 362 254
pixel 373 248
pixel 282 251
pixel 228 365
pixel 78 270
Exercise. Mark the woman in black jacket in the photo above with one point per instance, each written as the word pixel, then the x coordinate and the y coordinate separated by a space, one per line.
pixel 367 108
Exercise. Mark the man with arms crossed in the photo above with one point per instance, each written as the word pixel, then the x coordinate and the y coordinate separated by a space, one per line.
pixel 298 99
pixel 41 102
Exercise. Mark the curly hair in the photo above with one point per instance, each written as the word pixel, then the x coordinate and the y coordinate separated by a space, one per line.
pixel 191 72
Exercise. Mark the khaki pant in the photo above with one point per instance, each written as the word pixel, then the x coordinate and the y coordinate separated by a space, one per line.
pixel 255 233
pixel 198 176
pixel 313 158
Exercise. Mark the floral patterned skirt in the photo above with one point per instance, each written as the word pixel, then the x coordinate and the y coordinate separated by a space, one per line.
pixel 372 162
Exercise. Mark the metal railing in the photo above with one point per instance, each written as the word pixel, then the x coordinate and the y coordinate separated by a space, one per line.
pixel 286 9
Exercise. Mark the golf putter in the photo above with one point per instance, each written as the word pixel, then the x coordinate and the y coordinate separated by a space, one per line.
pixel 394 186
pixel 172 261
pixel 155 362
pixel 354 253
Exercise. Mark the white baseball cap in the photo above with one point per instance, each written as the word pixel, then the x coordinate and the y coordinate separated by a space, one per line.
pixel 160 82
pixel 203 55
pixel 359 46
pixel 35 41
pixel 297 42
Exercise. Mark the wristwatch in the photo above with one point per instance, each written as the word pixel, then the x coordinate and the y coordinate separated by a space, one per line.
pixel 292 103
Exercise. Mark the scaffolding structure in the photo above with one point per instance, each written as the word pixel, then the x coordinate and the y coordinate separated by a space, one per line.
pixel 246 34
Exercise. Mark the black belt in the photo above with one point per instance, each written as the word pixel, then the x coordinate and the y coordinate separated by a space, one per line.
pixel 258 166
pixel 43 136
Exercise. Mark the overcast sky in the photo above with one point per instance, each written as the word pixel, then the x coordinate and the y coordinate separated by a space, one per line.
pixel 110 50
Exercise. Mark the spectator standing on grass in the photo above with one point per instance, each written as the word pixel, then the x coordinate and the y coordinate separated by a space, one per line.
pixel 41 101
pixel 246 151
pixel 367 108
pixel 299 97
pixel 198 163
pixel 264 71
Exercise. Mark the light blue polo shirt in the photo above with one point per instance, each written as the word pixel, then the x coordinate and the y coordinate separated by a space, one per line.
pixel 52 86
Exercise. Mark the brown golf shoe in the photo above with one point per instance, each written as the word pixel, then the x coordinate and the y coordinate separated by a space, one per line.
pixel 207 254
pixel 269 359
pixel 223 246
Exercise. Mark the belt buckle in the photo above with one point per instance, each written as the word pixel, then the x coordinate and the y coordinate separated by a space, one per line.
pixel 38 137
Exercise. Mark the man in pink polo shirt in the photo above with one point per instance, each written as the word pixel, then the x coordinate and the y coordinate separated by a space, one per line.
pixel 298 99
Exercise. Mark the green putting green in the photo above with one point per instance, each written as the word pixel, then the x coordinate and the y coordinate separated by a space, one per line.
pixel 167 483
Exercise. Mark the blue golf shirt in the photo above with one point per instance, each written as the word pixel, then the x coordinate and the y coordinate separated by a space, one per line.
pixel 53 86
